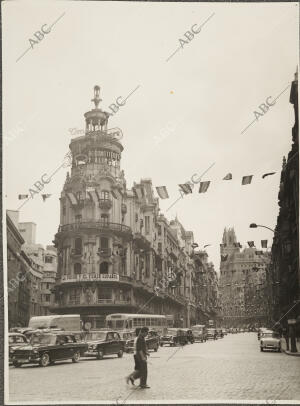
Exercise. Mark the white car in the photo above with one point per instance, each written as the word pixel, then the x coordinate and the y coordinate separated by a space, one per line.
pixel 270 340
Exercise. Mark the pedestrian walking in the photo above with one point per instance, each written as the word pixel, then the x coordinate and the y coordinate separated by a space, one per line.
pixel 136 373
pixel 140 359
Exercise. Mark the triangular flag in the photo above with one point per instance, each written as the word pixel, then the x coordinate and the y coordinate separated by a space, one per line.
pixel 162 192
pixel 207 245
pixel 204 186
pixel 264 243
pixel 21 197
pixel 45 197
pixel 228 176
pixel 247 179
pixel 251 244
pixel 186 188
pixel 268 174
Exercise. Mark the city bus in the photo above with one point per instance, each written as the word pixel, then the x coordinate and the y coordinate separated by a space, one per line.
pixel 129 321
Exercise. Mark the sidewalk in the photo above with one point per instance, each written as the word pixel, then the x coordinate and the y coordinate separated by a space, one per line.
pixel 283 346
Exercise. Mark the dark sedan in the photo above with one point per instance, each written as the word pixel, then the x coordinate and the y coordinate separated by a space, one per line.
pixel 101 343
pixel 46 348
pixel 15 340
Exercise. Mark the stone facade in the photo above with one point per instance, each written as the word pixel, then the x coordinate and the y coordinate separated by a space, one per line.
pixel 116 251
pixel 244 283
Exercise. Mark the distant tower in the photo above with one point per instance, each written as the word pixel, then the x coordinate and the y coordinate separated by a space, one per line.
pixel 228 242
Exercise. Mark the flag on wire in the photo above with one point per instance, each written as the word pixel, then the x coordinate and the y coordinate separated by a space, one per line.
pixel 195 245
pixel 264 243
pixel 45 197
pixel 186 188
pixel 207 245
pixel 228 176
pixel 21 197
pixel 251 244
pixel 162 192
pixel 237 245
pixel 268 174
pixel 224 257
pixel 247 179
pixel 72 199
pixel 204 186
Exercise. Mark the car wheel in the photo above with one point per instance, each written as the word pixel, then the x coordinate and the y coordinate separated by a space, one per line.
pixel 100 354
pixel 17 364
pixel 261 349
pixel 120 354
pixel 45 360
pixel 76 356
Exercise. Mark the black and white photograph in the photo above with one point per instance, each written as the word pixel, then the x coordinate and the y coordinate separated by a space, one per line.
pixel 150 194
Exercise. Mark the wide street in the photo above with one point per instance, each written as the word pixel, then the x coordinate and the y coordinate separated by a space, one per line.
pixel 229 368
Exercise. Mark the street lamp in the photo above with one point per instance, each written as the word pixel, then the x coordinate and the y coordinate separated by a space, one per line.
pixel 254 225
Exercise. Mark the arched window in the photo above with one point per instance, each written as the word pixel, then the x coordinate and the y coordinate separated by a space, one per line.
pixel 78 246
pixel 77 268
pixel 104 219
pixel 104 268
pixel 104 242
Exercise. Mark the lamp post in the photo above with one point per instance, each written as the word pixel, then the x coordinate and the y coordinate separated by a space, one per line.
pixel 254 225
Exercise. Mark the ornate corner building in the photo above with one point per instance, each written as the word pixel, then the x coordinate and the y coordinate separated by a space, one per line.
pixel 116 252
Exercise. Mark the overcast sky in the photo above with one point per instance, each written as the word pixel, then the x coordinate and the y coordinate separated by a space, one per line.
pixel 206 94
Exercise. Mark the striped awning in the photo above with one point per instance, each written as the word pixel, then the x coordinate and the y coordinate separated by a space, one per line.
pixel 93 195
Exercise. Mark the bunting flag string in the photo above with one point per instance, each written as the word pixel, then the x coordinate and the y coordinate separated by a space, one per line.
pixel 46 196
pixel 264 243
pixel 251 244
pixel 268 174
pixel 207 245
pixel 21 197
pixel 186 188
pixel 228 176
pixel 204 186
pixel 162 192
pixel 247 179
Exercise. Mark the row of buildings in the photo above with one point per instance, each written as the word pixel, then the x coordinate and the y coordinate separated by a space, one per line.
pixel 31 272
pixel 263 288
pixel 116 252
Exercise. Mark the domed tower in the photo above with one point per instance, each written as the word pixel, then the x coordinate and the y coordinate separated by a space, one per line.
pixel 94 231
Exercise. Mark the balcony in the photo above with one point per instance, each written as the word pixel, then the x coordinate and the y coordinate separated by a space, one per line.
pixel 141 241
pixel 97 226
pixel 94 303
pixel 105 204
pixel 76 253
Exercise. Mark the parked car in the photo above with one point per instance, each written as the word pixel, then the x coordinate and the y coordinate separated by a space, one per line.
pixel 174 337
pixel 225 331
pixel 199 332
pixel 260 331
pixel 219 333
pixel 101 343
pixel 270 340
pixel 15 340
pixel 212 334
pixel 46 348
pixel 189 335
pixel 128 338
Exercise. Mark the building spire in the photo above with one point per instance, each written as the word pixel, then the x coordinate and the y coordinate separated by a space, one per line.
pixel 96 98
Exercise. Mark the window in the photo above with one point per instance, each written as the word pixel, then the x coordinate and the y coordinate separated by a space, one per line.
pixel 104 268
pixel 104 293
pixel 147 224
pixel 48 259
pixel 110 336
pixel 78 218
pixel 103 242
pixel 116 336
pixel 47 298
pixel 159 230
pixel 104 195
pixel 78 245
pixel 104 219
pixel 77 268
pixel 64 210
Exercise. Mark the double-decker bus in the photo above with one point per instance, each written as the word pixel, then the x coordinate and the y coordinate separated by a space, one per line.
pixel 129 321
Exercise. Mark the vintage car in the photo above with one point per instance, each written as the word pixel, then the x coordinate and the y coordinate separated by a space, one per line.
pixel 104 342
pixel 270 340
pixel 199 332
pixel 225 331
pixel 212 334
pixel 46 348
pixel 15 340
pixel 174 337
pixel 152 341
pixel 220 333
pixel 127 337
pixel 260 331
pixel 190 335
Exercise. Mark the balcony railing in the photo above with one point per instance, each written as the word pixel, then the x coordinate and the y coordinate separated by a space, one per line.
pixel 95 225
pixel 104 252
pixel 105 204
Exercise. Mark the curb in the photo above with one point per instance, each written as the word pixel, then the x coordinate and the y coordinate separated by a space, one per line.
pixel 295 354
